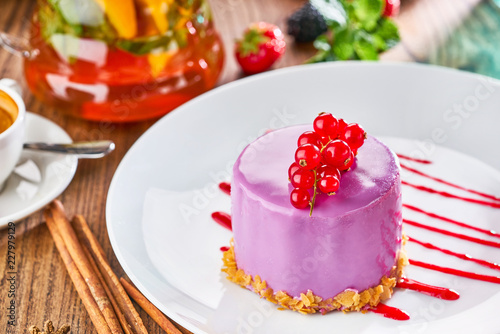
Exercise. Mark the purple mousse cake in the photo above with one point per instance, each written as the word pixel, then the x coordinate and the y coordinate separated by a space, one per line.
pixel 346 256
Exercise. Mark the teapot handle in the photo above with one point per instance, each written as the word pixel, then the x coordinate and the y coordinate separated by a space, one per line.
pixel 17 46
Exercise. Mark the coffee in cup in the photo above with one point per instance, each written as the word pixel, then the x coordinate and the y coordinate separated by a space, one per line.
pixel 8 111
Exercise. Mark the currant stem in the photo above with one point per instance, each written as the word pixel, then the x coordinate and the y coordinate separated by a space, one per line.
pixel 323 146
pixel 315 187
pixel 313 200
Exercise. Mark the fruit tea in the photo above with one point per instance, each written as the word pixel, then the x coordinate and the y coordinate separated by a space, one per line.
pixel 132 60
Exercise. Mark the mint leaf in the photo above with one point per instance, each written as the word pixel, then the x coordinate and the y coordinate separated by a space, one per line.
pixel 322 43
pixel 343 44
pixel 368 12
pixel 368 9
pixel 388 31
pixel 379 43
pixel 364 47
pixel 180 36
pixel 324 46
pixel 142 46
pixel 332 10
pixel 321 56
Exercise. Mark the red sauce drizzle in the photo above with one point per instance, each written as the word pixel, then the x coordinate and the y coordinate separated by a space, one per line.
pixel 456 222
pixel 225 187
pixel 390 312
pixel 401 156
pixel 445 194
pixel 456 272
pixel 224 249
pixel 434 291
pixel 465 257
pixel 450 184
pixel 223 219
pixel 453 234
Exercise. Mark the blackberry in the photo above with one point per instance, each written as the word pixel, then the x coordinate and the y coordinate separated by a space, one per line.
pixel 306 24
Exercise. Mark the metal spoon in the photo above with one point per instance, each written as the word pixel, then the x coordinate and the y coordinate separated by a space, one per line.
pixel 83 150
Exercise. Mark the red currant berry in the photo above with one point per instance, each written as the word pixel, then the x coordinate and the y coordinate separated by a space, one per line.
pixel 300 198
pixel 309 137
pixel 329 184
pixel 308 156
pixel 342 126
pixel 292 169
pixel 354 136
pixel 325 170
pixel 348 163
pixel 337 153
pixel 326 125
pixel 303 178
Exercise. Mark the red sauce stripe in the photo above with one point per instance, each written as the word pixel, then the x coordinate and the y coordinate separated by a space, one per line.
pixel 452 221
pixel 430 290
pixel 223 219
pixel 390 312
pixel 456 272
pixel 465 257
pixel 225 187
pixel 445 194
pixel 472 191
pixel 421 161
pixel 453 234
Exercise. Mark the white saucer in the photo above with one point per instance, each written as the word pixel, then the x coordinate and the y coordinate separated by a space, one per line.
pixel 21 196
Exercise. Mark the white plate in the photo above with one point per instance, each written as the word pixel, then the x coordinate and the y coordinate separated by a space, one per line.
pixel 21 197
pixel 173 256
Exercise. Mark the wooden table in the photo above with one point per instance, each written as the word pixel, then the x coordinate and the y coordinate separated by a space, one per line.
pixel 44 289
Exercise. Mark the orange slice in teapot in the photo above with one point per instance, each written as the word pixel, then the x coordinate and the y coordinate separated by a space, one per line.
pixel 158 61
pixel 121 14
pixel 159 9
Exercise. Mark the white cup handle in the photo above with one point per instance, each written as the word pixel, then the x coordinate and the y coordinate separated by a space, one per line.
pixel 12 84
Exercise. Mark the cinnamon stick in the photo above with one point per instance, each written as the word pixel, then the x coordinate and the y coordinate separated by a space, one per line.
pixel 56 212
pixel 125 304
pixel 81 287
pixel 125 326
pixel 150 309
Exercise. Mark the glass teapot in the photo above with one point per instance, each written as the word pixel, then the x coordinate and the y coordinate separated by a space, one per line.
pixel 119 61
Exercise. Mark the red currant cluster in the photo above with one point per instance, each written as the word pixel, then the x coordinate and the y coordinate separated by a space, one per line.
pixel 321 158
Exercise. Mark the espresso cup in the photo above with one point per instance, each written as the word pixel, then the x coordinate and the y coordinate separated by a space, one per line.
pixel 12 127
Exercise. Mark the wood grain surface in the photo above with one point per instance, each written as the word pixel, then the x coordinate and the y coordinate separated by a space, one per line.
pixel 43 288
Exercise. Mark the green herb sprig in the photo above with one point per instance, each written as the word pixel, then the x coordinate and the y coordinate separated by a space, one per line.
pixel 357 30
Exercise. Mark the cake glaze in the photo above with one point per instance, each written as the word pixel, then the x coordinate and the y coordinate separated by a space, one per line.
pixel 352 239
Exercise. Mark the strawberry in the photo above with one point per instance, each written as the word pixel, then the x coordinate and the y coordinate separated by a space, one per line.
pixel 391 8
pixel 262 44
